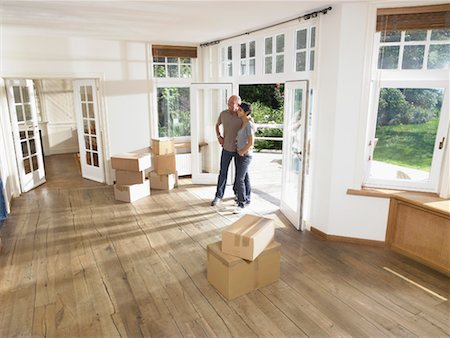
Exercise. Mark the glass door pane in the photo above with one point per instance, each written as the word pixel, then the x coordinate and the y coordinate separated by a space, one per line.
pixel 24 123
pixel 88 130
pixel 294 134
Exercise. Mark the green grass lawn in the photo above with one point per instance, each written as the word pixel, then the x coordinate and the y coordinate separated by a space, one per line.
pixel 409 145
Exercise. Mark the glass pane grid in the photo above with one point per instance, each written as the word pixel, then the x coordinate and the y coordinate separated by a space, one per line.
pixel 417 49
pixel 173 67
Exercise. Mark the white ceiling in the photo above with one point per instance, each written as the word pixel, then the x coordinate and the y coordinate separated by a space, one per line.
pixel 187 22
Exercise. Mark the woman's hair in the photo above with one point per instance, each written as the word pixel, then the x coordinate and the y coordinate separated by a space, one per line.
pixel 246 107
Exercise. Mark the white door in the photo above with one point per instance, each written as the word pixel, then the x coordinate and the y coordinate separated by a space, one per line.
pixel 89 135
pixel 207 101
pixel 294 136
pixel 24 122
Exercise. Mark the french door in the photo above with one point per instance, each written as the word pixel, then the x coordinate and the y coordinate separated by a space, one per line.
pixel 89 136
pixel 294 140
pixel 207 101
pixel 25 128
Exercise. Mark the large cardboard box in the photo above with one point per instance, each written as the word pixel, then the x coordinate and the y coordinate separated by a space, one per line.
pixel 164 164
pixel 131 193
pixel 233 276
pixel 131 162
pixel 124 177
pixel 248 237
pixel 162 182
pixel 163 146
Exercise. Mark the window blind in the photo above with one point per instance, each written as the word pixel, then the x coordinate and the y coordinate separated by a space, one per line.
pixel 174 51
pixel 411 18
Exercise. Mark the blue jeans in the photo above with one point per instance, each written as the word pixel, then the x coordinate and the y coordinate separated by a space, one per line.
pixel 242 182
pixel 225 161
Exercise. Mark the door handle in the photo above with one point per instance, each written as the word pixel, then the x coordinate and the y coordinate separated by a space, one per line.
pixel 441 144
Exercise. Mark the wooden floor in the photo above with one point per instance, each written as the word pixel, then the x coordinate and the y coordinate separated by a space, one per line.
pixel 77 263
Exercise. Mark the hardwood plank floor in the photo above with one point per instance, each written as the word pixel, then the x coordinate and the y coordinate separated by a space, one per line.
pixel 77 263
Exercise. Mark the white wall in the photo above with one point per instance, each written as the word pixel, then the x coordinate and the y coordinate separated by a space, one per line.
pixel 120 66
pixel 339 138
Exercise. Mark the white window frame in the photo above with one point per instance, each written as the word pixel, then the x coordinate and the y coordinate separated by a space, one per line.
pixel 225 62
pixel 246 60
pixel 309 67
pixel 402 43
pixel 166 64
pixel 274 54
pixel 406 78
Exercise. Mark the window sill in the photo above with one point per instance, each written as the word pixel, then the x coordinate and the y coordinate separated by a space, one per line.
pixel 425 200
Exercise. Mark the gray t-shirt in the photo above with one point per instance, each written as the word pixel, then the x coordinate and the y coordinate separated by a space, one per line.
pixel 231 124
pixel 243 134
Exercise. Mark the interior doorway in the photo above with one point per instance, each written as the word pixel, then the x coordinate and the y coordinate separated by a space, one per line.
pixel 56 127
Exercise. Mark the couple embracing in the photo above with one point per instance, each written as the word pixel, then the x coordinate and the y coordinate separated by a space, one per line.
pixel 237 142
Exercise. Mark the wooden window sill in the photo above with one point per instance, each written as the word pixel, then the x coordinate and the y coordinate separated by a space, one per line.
pixel 425 200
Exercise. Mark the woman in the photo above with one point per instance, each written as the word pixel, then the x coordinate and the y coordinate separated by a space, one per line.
pixel 244 140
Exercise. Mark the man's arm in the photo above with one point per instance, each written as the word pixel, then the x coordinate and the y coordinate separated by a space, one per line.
pixel 219 137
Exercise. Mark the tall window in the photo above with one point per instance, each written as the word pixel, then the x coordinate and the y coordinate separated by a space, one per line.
pixel 274 54
pixel 411 94
pixel 248 58
pixel 226 61
pixel 173 69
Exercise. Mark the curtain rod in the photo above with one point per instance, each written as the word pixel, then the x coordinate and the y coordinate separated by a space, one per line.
pixel 304 17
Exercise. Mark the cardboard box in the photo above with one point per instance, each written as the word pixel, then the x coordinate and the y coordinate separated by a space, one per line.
pixel 163 146
pixel 162 182
pixel 248 237
pixel 164 164
pixel 233 276
pixel 131 162
pixel 131 193
pixel 124 177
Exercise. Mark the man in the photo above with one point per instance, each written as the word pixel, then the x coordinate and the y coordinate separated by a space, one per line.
pixel 231 124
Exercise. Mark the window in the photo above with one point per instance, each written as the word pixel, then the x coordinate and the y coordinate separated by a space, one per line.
pixel 414 49
pixel 226 61
pixel 173 67
pixel 247 58
pixel 305 49
pixel 274 54
pixel 174 118
pixel 410 112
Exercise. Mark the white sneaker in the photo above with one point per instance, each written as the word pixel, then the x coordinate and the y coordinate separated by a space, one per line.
pixel 238 210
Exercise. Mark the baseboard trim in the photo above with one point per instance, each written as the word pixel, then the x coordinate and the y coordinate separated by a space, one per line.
pixel 344 239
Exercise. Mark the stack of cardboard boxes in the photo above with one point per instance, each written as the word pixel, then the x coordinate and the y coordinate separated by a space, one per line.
pixel 131 183
pixel 246 259
pixel 164 173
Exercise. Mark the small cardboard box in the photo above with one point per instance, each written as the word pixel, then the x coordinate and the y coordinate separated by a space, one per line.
pixel 164 164
pixel 248 237
pixel 131 193
pixel 124 177
pixel 162 182
pixel 163 146
pixel 131 162
pixel 233 276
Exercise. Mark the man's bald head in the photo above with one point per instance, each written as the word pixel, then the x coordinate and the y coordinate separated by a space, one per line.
pixel 233 103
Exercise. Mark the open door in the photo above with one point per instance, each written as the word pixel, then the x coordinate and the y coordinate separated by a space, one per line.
pixel 294 136
pixel 27 142
pixel 207 101
pixel 89 136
